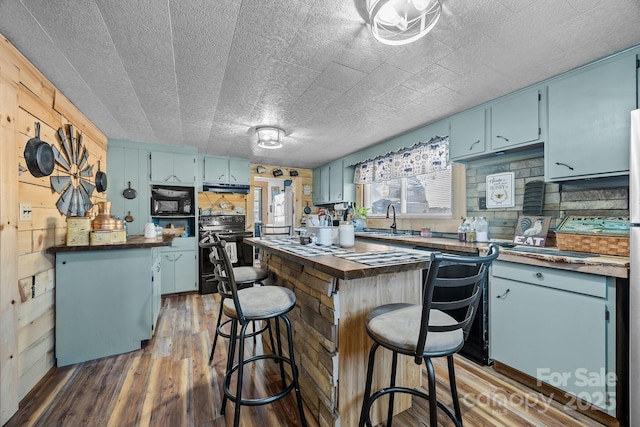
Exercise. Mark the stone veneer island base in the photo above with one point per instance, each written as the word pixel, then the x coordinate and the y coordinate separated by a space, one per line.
pixel 334 296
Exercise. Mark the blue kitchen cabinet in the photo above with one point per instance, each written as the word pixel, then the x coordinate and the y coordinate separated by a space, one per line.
pixel 172 167
pixel 557 326
pixel 179 265
pixel 589 122
pixel 226 170
pixel 316 184
pixel 156 284
pixel 128 165
pixel 468 134
pixel 516 119
pixel 105 303
pixel 325 182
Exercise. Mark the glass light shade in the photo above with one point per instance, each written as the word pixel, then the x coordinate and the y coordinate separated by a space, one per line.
pixel 398 22
pixel 270 137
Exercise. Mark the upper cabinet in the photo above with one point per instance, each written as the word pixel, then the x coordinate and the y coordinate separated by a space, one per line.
pixel 516 119
pixel 589 122
pixel 333 183
pixel 176 168
pixel 226 170
pixel 468 134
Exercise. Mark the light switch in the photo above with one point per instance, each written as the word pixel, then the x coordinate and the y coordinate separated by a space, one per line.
pixel 25 212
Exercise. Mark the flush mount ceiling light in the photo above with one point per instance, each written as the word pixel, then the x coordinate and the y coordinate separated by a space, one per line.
pixel 270 137
pixel 398 22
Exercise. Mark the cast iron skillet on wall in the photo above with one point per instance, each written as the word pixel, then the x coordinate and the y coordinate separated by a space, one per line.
pixel 101 180
pixel 39 156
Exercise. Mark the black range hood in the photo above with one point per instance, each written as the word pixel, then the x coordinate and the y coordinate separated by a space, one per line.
pixel 223 187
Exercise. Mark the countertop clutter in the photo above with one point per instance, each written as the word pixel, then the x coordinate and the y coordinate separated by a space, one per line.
pixel 132 242
pixel 607 265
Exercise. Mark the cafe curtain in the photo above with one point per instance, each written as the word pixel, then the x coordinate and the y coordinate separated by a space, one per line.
pixel 419 159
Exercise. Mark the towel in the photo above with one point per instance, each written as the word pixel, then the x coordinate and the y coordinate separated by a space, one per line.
pixel 232 252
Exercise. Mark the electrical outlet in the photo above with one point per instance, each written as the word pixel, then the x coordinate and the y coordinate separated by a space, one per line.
pixel 25 212
pixel 482 203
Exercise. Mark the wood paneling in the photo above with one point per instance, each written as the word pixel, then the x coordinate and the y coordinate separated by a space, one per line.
pixel 26 277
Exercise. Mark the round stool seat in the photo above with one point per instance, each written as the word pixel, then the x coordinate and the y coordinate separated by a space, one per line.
pixel 261 302
pixel 248 274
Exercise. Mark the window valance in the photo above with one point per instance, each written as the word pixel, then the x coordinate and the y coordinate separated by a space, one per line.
pixel 419 159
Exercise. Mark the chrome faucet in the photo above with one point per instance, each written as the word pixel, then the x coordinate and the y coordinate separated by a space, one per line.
pixel 393 224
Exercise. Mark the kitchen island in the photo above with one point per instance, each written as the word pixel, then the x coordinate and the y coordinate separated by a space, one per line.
pixel 334 295
pixel 107 297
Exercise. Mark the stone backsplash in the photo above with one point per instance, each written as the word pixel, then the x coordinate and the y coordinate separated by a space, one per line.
pixel 560 199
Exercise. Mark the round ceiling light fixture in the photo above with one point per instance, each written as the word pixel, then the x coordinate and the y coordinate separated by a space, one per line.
pixel 398 22
pixel 270 137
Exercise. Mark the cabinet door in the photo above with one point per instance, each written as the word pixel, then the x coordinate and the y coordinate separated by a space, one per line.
pixel 589 124
pixel 184 168
pixel 239 171
pixel 162 166
pixel 185 271
pixel 216 169
pixel 556 336
pixel 467 137
pixel 336 188
pixel 129 165
pixel 168 267
pixel 156 286
pixel 325 175
pixel 316 186
pixel 515 120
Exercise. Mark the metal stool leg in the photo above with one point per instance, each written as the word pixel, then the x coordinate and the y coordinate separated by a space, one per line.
pixel 364 415
pixel 394 370
pixel 433 402
pixel 454 389
pixel 236 415
pixel 215 338
pixel 279 340
pixel 230 357
pixel 294 371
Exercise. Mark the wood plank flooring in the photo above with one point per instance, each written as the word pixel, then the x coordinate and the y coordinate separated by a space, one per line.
pixel 171 383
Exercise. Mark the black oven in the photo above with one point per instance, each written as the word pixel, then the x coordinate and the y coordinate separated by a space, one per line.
pixel 172 201
pixel 231 229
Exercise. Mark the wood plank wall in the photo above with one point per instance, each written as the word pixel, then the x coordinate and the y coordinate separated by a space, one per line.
pixel 27 276
pixel 300 182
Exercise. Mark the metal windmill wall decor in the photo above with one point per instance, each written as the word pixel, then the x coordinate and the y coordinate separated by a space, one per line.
pixel 74 186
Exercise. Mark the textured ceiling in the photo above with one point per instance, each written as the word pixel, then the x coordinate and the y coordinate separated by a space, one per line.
pixel 205 73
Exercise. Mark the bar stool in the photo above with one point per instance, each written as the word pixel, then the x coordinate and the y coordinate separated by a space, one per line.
pixel 244 306
pixel 433 329
pixel 246 276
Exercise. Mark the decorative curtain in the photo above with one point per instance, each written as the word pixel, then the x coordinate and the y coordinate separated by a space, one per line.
pixel 419 159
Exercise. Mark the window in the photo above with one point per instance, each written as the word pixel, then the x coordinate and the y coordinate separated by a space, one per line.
pixel 421 195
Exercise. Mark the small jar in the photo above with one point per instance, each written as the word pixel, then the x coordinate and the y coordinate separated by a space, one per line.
pixel 462 232
pixel 346 235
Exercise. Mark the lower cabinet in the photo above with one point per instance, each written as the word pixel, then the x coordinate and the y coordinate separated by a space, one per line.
pixel 156 286
pixel 179 265
pixel 557 326
pixel 105 303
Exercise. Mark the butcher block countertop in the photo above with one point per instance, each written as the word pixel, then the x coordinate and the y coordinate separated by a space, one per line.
pixel 605 265
pixel 337 264
pixel 133 242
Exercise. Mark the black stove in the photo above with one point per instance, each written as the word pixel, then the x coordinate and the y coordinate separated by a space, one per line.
pixel 230 228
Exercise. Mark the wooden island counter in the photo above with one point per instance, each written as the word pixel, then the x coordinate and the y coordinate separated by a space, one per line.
pixel 334 295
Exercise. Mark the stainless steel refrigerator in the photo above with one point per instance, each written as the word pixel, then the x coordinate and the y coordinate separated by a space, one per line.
pixel 634 278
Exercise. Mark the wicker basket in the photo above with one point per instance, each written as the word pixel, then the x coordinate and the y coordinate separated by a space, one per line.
pixel 606 236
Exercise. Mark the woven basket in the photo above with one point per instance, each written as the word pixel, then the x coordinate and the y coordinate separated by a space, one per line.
pixel 601 241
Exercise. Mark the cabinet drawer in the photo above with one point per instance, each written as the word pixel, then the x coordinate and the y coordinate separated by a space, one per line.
pixel 182 243
pixel 583 283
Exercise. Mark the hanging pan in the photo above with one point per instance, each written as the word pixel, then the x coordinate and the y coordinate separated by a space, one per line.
pixel 307 209
pixel 101 180
pixel 39 156
pixel 130 193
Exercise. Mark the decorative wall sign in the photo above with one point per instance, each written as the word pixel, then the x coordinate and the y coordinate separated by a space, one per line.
pixel 500 190
pixel 306 189
pixel 74 187
pixel 532 231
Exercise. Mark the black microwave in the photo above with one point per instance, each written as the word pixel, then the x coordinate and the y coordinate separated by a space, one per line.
pixel 171 200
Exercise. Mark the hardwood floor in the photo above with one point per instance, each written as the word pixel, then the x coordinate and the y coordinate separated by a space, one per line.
pixel 171 383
